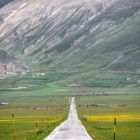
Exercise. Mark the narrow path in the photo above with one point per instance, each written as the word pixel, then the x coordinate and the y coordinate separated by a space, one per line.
pixel 71 129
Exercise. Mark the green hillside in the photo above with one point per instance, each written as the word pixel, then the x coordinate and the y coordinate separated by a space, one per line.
pixel 104 47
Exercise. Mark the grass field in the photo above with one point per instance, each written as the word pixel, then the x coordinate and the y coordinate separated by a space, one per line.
pixel 36 100
pixel 98 112
pixel 45 113
pixel 103 130
pixel 49 110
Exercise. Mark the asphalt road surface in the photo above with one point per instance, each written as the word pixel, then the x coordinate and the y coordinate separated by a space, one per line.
pixel 71 129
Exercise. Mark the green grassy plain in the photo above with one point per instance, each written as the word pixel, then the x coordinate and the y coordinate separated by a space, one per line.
pixel 41 100
pixel 46 112
pixel 111 105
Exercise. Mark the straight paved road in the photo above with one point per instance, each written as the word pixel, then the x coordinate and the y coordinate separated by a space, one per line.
pixel 71 129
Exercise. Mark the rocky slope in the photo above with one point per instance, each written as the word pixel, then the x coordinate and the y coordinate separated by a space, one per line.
pixel 33 26
pixel 79 36
pixel 4 2
pixel 10 65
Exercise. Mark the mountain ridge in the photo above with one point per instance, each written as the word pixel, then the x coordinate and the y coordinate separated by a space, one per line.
pixel 73 35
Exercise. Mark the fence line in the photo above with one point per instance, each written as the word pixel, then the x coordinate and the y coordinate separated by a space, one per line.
pixel 33 120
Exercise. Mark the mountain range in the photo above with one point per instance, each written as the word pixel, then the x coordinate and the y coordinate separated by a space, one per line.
pixel 74 37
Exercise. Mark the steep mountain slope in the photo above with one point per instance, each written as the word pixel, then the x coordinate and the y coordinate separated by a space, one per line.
pixel 33 26
pixel 4 2
pixel 10 65
pixel 73 36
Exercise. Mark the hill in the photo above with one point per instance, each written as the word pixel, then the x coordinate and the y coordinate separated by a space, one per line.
pixel 84 40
